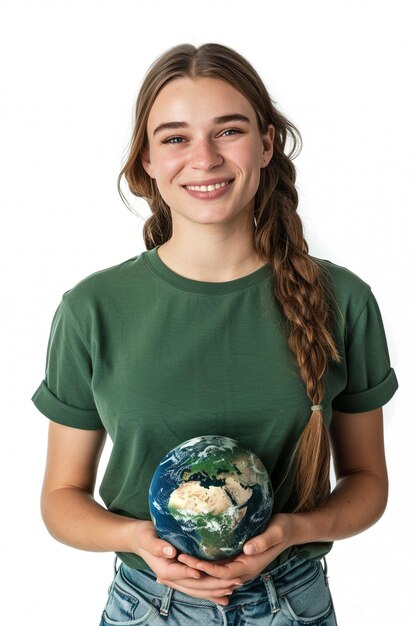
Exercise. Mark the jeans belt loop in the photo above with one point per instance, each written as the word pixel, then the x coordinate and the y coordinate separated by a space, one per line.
pixel 166 602
pixel 271 591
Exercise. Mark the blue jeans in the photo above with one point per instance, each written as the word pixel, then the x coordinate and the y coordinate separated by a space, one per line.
pixel 295 593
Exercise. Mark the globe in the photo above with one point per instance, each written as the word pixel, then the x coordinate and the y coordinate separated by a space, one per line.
pixel 210 495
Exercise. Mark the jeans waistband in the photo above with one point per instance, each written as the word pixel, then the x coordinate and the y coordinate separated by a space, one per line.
pixel 270 584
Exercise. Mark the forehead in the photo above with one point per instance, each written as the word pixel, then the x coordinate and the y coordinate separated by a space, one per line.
pixel 197 100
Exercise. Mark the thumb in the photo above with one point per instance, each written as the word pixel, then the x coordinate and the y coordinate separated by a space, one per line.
pixel 150 542
pixel 261 543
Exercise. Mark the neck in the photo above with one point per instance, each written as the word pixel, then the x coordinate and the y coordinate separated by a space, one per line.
pixel 211 255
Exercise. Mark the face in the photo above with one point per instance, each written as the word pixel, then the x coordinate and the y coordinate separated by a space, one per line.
pixel 205 151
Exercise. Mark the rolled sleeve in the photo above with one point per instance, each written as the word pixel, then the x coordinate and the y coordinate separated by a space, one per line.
pixel 371 381
pixel 56 410
pixel 65 395
pixel 369 399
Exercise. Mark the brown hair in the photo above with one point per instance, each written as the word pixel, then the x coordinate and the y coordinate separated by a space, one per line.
pixel 300 285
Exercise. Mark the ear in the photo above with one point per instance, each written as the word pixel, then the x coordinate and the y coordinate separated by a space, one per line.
pixel 268 145
pixel 146 162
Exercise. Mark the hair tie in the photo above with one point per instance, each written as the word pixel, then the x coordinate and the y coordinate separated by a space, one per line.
pixel 317 407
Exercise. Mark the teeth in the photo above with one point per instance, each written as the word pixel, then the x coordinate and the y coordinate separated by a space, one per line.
pixel 207 187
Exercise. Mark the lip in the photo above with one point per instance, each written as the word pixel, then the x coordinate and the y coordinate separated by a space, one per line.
pixel 210 195
pixel 209 181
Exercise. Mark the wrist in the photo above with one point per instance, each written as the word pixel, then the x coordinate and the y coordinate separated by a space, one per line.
pixel 289 529
pixel 309 527
pixel 132 534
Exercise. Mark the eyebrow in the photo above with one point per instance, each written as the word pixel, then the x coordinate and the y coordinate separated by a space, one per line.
pixel 233 117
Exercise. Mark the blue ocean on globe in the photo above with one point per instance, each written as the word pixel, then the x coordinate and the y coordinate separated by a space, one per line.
pixel 209 496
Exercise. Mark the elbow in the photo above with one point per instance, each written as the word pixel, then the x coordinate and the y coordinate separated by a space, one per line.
pixel 365 499
pixel 377 496
pixel 47 513
pixel 55 506
pixel 384 496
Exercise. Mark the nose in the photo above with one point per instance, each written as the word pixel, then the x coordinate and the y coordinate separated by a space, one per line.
pixel 205 155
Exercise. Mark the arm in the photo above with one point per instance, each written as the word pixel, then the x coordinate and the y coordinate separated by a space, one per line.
pixel 361 492
pixel 69 510
pixel 357 501
pixel 73 517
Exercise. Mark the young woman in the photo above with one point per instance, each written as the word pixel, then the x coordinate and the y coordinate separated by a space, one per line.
pixel 224 325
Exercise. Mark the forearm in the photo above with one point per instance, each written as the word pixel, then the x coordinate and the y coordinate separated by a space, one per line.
pixel 355 504
pixel 73 517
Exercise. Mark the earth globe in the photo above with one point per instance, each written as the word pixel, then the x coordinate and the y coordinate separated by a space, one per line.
pixel 210 495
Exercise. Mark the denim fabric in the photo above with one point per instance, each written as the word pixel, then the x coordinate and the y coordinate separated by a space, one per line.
pixel 295 593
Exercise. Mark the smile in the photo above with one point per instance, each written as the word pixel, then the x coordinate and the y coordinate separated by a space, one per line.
pixel 207 187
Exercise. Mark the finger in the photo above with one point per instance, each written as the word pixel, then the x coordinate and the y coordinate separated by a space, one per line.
pixel 262 543
pixel 220 572
pixel 154 545
pixel 273 535
pixel 205 566
pixel 193 561
pixel 188 559
pixel 219 596
pixel 206 583
pixel 228 571
pixel 177 570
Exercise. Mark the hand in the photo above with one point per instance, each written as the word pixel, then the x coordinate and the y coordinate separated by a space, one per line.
pixel 257 553
pixel 160 556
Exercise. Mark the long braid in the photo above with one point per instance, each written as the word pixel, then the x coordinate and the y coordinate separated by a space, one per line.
pixel 305 299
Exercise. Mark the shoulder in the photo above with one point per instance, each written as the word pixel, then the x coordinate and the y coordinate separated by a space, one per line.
pixel 103 286
pixel 350 291
pixel 342 278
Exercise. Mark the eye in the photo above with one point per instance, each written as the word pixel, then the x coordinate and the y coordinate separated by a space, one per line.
pixel 231 130
pixel 172 140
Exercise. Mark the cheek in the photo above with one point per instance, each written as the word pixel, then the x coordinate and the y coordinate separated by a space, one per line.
pixel 247 157
pixel 167 168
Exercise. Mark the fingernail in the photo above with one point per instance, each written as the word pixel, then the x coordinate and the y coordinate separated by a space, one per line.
pixel 250 549
pixel 168 551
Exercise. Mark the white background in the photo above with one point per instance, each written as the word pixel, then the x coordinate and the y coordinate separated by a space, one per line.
pixel 344 72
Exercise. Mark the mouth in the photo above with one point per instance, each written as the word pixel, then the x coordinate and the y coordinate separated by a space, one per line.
pixel 209 187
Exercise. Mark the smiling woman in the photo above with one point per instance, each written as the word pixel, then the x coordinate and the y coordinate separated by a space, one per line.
pixel 225 325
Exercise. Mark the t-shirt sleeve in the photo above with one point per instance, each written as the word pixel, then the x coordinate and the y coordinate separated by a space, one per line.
pixel 65 395
pixel 371 381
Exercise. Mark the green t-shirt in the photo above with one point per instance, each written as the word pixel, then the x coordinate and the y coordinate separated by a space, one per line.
pixel 156 358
